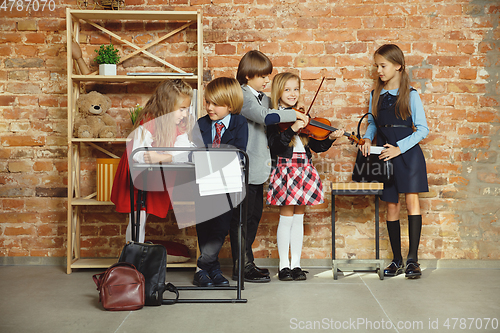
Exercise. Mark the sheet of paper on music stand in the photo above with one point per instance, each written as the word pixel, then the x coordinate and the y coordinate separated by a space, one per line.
pixel 217 172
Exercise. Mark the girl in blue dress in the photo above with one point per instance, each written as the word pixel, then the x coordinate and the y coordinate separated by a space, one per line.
pixel 400 116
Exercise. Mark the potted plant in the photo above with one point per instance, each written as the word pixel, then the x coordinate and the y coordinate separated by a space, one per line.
pixel 134 113
pixel 107 58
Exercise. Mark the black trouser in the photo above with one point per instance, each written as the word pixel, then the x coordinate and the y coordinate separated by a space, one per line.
pixel 255 205
pixel 211 236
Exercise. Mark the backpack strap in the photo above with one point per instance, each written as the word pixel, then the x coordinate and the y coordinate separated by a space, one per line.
pixel 173 289
pixel 98 277
pixel 376 124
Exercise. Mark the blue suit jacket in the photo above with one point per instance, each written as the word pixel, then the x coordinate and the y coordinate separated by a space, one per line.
pixel 235 135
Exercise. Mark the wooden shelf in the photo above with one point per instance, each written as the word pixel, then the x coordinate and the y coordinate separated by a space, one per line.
pixel 75 82
pixel 94 263
pixel 106 262
pixel 135 15
pixel 90 202
pixel 113 140
pixel 131 78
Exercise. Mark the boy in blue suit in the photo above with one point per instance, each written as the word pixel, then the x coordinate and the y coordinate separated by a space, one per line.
pixel 222 126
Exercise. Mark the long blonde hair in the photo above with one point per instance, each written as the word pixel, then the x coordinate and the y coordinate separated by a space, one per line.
pixel 277 88
pixel 394 55
pixel 159 108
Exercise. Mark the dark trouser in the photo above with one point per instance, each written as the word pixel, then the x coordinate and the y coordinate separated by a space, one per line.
pixel 211 236
pixel 255 197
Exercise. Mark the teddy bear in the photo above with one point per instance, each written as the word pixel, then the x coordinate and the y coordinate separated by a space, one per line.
pixel 91 119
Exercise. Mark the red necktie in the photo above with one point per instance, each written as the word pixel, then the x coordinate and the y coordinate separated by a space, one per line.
pixel 218 129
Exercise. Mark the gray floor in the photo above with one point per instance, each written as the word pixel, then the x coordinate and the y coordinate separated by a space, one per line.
pixel 45 299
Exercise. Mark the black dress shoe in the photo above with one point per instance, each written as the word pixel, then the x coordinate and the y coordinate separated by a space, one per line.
pixel 412 270
pixel 253 275
pixel 285 274
pixel 395 268
pixel 202 279
pixel 263 271
pixel 248 267
pixel 298 274
pixel 218 279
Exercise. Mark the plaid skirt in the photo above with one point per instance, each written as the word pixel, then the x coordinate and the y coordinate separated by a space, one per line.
pixel 295 181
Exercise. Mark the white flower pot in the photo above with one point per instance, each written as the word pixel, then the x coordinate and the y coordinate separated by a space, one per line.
pixel 107 69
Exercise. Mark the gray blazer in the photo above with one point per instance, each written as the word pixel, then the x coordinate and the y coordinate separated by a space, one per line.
pixel 257 149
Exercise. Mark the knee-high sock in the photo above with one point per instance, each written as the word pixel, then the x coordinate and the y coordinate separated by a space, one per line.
pixel 142 224
pixel 296 240
pixel 283 239
pixel 414 231
pixel 394 229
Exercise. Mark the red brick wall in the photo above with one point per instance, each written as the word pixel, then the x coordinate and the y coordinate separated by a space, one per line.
pixel 452 49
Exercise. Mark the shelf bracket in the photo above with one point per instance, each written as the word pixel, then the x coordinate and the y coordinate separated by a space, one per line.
pixel 103 150
pixel 143 49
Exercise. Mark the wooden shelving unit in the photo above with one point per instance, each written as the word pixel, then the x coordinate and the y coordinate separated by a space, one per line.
pixel 74 18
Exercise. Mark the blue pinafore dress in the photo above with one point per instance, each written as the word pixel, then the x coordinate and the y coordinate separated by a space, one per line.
pixel 410 171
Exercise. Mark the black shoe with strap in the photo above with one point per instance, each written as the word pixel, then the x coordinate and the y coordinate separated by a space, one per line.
pixel 298 274
pixel 412 270
pixel 395 268
pixel 217 278
pixel 202 279
pixel 285 274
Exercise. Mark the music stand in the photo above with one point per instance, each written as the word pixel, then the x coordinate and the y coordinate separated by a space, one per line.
pixel 144 169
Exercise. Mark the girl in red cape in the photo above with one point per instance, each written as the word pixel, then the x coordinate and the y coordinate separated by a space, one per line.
pixel 163 122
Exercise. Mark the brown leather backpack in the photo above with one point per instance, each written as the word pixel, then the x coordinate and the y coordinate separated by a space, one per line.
pixel 121 287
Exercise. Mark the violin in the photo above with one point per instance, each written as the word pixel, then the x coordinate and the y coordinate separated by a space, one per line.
pixel 320 128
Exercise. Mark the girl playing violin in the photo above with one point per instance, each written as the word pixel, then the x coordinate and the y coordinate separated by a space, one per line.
pixel 294 181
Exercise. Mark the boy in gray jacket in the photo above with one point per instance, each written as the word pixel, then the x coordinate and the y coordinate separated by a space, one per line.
pixel 253 75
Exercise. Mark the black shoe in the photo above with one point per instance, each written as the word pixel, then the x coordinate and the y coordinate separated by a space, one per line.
pixel 253 275
pixel 298 274
pixel 395 268
pixel 263 271
pixel 285 274
pixel 412 270
pixel 218 279
pixel 202 279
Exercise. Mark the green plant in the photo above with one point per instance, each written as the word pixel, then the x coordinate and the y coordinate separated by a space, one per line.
pixel 134 113
pixel 107 55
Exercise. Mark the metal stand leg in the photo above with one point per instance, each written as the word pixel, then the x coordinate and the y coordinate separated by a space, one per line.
pixel 371 262
pixel 334 266
pixel 377 240
pixel 132 217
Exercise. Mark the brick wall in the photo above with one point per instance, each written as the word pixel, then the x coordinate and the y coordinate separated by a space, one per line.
pixel 452 49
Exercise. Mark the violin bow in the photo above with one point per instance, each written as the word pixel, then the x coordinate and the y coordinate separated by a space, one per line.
pixel 317 91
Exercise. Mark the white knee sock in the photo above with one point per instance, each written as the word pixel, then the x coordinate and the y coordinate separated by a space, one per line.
pixel 296 239
pixel 142 226
pixel 283 239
